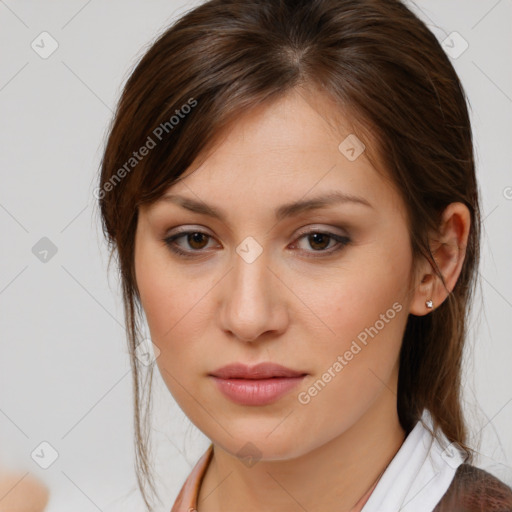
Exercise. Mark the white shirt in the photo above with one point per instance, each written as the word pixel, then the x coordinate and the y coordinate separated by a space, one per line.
pixel 419 474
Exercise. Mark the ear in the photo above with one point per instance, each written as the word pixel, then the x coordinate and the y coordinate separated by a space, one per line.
pixel 448 246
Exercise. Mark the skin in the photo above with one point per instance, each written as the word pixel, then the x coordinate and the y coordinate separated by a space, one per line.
pixel 302 312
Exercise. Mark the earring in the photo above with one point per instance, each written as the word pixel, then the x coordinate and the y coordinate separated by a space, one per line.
pixel 429 304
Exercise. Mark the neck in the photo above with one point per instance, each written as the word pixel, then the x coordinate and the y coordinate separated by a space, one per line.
pixel 338 475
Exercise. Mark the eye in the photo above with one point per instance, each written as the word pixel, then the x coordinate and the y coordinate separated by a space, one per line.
pixel 319 240
pixel 197 241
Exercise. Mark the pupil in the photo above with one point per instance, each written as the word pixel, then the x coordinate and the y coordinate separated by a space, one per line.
pixel 316 235
pixel 196 238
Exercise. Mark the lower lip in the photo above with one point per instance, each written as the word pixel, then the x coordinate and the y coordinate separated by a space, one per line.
pixel 256 391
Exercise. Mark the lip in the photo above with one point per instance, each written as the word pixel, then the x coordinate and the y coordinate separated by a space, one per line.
pixel 262 384
pixel 259 371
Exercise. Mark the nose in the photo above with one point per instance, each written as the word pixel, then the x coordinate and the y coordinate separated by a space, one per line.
pixel 252 306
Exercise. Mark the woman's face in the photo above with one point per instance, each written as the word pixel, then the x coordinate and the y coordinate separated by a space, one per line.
pixel 255 287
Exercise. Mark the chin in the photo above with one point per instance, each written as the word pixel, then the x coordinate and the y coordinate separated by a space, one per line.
pixel 254 444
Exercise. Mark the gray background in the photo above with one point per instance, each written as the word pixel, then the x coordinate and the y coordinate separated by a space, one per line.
pixel 64 367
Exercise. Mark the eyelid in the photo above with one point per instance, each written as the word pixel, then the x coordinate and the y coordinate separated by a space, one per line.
pixel 312 228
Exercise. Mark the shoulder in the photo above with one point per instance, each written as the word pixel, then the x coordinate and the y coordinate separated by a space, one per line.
pixel 475 490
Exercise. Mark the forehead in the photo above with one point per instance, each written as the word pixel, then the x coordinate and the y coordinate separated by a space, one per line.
pixel 291 149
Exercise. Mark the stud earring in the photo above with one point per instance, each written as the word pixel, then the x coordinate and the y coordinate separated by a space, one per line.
pixel 429 304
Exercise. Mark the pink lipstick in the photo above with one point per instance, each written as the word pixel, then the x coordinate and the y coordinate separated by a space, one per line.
pixel 262 384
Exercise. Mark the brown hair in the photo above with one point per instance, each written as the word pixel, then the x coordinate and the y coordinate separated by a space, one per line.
pixel 376 60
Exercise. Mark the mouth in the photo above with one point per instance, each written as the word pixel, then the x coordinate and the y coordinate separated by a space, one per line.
pixel 262 384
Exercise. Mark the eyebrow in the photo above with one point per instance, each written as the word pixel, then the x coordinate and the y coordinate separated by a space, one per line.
pixel 284 211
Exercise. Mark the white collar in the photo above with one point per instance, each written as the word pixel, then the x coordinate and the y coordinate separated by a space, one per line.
pixel 419 474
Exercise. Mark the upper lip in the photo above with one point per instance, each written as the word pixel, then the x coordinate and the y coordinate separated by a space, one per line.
pixel 259 371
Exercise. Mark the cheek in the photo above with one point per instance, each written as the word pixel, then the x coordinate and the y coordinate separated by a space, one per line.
pixel 157 286
pixel 365 308
pixel 169 306
pixel 355 296
pixel 357 362
pixel 172 301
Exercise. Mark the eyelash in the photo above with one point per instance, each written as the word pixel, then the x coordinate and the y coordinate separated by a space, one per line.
pixel 342 242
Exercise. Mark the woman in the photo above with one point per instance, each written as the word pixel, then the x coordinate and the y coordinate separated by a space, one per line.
pixel 291 192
